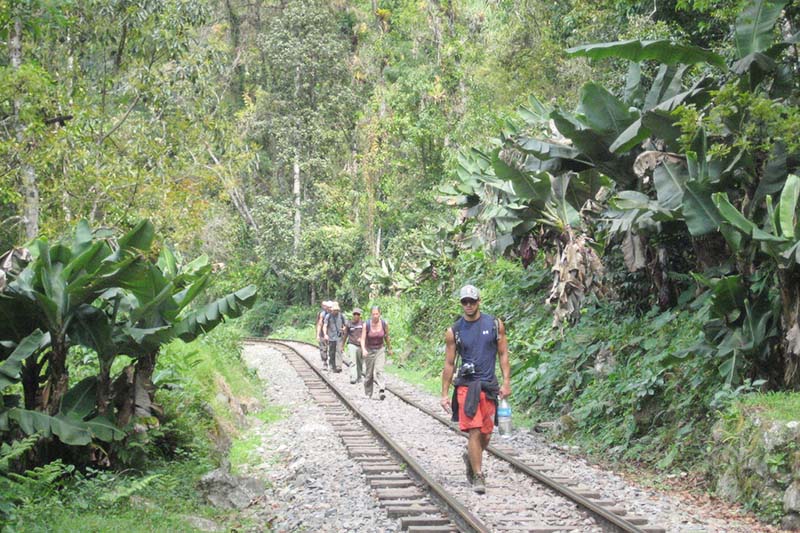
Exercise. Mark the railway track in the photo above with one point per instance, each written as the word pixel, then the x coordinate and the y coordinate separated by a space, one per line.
pixel 418 476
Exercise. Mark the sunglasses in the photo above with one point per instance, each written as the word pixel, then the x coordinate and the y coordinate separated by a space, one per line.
pixel 468 301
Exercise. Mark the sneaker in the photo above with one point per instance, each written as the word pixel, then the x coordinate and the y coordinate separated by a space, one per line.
pixel 352 382
pixel 465 457
pixel 382 396
pixel 479 484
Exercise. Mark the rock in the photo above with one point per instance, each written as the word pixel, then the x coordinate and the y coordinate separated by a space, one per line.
pixel 777 436
pixel 728 487
pixel 791 498
pixel 543 427
pixel 203 524
pixel 791 522
pixel 224 490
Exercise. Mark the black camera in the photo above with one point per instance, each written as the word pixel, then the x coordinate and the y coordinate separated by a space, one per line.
pixel 467 369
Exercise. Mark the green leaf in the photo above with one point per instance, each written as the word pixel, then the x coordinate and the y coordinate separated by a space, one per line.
pixel 11 366
pixel 604 112
pixel 167 262
pixel 70 431
pixel 753 32
pixel 787 207
pixel 728 295
pixel 211 315
pixel 634 92
pixel 699 211
pixel 774 175
pixel 731 215
pixel 630 138
pixel 79 401
pixel 535 112
pixel 663 51
pixel 83 237
pixel 104 429
pixel 139 238
pixel 670 181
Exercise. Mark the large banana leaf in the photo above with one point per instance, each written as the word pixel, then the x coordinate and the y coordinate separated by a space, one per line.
pixel 603 112
pixel 754 26
pixel 663 51
pixel 670 181
pixel 727 297
pixel 11 366
pixel 207 318
pixel 74 424
pixel 699 211
pixel 787 208
pixel 773 178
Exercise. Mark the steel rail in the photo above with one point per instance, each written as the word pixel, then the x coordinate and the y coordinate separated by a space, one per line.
pixel 462 515
pixel 609 518
pixel 605 516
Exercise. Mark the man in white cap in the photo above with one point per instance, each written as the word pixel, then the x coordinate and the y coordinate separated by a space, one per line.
pixel 323 344
pixel 479 339
pixel 333 327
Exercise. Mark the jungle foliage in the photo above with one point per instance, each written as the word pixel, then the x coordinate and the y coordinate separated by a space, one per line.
pixel 694 153
pixel 638 158
pixel 104 295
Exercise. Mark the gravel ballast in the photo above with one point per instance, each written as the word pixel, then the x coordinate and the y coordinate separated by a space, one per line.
pixel 315 486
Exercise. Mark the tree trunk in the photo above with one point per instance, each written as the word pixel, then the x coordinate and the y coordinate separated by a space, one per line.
pixel 30 382
pixel 235 24
pixel 296 183
pixel 58 380
pixel 103 398
pixel 296 188
pixel 143 378
pixel 29 189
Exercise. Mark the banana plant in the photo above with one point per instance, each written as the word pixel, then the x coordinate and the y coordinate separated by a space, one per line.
pixel 103 294
pixel 145 313
pixel 59 282
pixel 778 238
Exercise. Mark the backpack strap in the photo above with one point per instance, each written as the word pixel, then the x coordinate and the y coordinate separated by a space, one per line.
pixel 383 324
pixel 456 327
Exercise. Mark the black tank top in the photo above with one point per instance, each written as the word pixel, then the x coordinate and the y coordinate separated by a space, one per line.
pixel 478 341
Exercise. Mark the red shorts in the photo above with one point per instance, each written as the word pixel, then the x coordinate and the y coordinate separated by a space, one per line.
pixel 484 416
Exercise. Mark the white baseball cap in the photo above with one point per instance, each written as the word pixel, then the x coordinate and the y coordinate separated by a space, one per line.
pixel 469 291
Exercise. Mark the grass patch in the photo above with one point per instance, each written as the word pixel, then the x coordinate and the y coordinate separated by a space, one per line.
pixel 270 414
pixel 417 377
pixel 243 450
pixel 101 501
pixel 154 486
pixel 303 333
pixel 777 406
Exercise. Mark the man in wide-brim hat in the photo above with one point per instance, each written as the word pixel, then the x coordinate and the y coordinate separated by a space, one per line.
pixel 333 327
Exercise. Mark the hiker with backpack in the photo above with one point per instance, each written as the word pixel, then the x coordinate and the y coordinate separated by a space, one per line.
pixel 352 335
pixel 479 339
pixel 374 345
pixel 333 326
pixel 323 344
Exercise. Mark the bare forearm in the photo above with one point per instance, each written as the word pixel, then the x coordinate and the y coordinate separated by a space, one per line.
pixel 447 377
pixel 505 367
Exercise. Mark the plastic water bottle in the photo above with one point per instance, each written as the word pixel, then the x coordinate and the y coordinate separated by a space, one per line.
pixel 504 417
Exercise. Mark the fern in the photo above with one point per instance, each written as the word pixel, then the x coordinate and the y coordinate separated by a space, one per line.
pixel 127 490
pixel 15 450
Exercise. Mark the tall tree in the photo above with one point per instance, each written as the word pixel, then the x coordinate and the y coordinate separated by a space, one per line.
pixel 27 174
pixel 305 107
